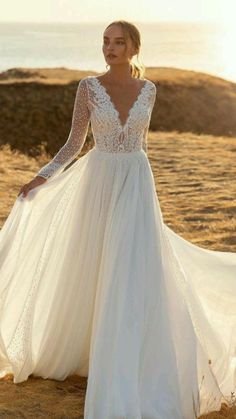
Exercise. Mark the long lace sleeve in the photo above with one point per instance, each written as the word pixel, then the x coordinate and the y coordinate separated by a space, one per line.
pixel 77 135
pixel 146 129
pixel 145 139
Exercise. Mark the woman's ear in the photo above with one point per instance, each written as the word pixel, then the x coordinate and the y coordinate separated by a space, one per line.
pixel 134 51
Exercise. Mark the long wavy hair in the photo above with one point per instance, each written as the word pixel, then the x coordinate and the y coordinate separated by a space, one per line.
pixel 131 31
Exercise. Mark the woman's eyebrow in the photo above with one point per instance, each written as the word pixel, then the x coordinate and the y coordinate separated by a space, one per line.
pixel 118 37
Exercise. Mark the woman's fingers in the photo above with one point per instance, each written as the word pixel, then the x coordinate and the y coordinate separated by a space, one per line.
pixel 20 191
pixel 32 184
pixel 24 190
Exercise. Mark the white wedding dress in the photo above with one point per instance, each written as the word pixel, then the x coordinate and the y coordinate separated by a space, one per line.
pixel 94 283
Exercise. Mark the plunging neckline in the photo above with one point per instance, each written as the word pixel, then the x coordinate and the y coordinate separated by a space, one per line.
pixel 122 126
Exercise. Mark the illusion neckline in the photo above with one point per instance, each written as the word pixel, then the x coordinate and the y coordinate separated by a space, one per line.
pixel 136 101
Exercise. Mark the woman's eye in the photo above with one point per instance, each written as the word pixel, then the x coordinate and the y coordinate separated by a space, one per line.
pixel 118 42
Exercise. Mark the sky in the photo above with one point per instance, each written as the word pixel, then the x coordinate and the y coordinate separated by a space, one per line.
pixel 107 10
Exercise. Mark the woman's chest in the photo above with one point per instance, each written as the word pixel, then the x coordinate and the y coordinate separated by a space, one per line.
pixel 120 113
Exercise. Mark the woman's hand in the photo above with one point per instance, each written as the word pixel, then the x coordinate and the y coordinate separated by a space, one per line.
pixel 38 180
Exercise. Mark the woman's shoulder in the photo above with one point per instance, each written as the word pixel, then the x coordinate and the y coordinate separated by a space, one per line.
pixel 83 80
pixel 83 83
pixel 151 84
pixel 87 78
pixel 87 81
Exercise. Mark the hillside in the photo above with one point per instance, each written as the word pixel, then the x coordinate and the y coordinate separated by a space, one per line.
pixel 36 105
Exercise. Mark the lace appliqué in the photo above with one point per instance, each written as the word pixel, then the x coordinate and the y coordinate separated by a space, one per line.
pixel 111 135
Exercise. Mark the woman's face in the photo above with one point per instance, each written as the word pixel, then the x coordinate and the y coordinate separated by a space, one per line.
pixel 115 44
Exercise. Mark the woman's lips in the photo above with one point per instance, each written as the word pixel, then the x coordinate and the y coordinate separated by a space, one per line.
pixel 111 56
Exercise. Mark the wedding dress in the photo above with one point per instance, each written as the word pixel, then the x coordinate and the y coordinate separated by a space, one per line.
pixel 94 283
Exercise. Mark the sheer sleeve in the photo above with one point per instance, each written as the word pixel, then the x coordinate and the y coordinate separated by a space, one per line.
pixel 145 139
pixel 146 129
pixel 77 135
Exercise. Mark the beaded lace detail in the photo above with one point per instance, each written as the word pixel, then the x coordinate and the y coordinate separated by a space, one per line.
pixel 93 103
pixel 77 135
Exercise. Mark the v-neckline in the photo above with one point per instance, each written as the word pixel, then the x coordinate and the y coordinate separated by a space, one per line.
pixel 122 126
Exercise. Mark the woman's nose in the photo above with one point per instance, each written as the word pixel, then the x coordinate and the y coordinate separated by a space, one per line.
pixel 110 46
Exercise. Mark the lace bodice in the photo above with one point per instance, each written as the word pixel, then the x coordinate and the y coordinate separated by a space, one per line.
pixel 93 103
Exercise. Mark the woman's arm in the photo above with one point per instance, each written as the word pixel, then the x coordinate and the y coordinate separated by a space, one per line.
pixel 145 139
pixel 77 135
pixel 146 129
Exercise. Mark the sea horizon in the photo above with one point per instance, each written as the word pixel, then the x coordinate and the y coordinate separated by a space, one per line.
pixel 198 46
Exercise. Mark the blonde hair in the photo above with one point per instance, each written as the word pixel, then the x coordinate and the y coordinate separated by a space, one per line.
pixel 131 31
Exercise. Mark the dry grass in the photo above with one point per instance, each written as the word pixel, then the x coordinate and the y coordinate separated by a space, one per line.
pixel 39 398
pixel 195 180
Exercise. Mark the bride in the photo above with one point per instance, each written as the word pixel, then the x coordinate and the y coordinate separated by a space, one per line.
pixel 94 283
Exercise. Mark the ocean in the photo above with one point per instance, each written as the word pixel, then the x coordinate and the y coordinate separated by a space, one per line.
pixel 205 47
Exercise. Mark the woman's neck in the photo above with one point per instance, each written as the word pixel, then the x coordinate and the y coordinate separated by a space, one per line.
pixel 119 73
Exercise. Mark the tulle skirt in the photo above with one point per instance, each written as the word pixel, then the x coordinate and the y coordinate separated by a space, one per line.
pixel 94 283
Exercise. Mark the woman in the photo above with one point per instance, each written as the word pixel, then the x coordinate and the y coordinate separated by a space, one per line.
pixel 94 283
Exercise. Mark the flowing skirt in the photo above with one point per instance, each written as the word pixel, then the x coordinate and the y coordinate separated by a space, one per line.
pixel 94 283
